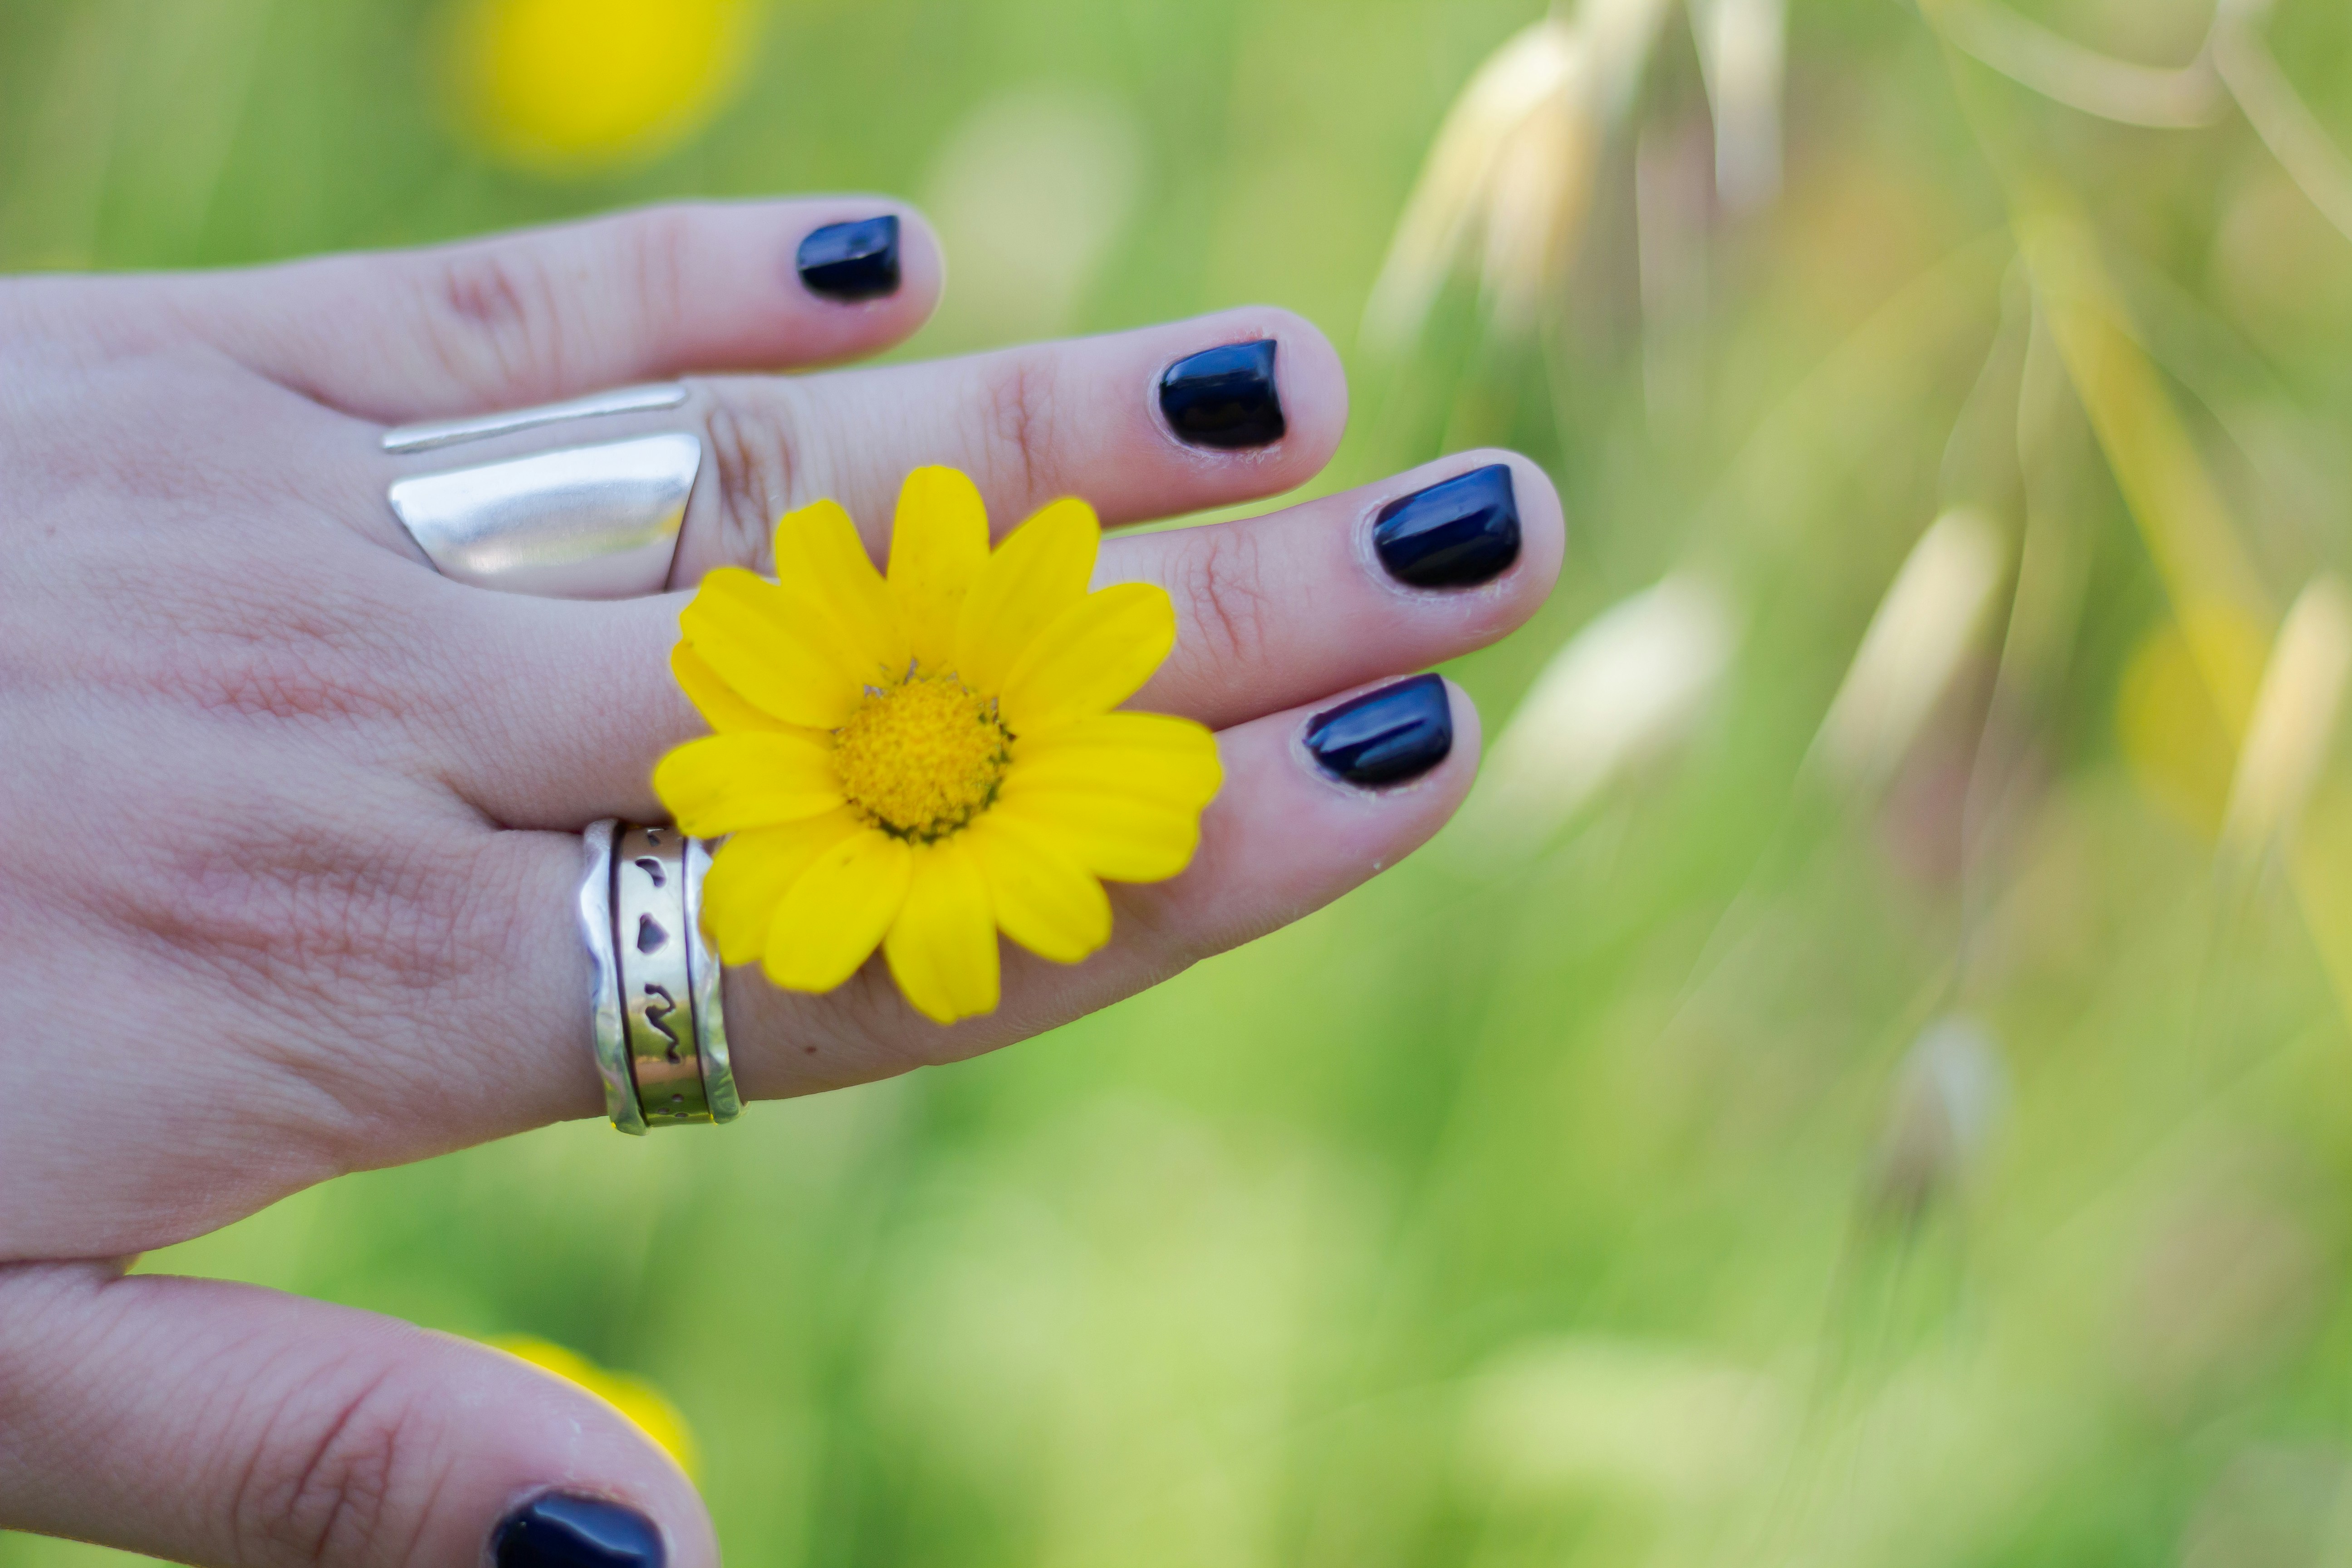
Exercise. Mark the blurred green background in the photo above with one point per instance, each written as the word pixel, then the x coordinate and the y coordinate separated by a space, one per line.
pixel 1862 1085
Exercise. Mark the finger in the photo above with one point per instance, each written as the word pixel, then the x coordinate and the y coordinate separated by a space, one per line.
pixel 558 312
pixel 1086 417
pixel 1279 610
pixel 1272 611
pixel 1287 835
pixel 211 1423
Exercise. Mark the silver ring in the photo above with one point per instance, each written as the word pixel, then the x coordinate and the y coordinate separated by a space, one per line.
pixel 593 520
pixel 661 1033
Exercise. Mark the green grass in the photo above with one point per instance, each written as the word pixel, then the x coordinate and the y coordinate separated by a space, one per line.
pixel 1533 1218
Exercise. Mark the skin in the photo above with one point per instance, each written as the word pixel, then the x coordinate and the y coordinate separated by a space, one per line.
pixel 287 891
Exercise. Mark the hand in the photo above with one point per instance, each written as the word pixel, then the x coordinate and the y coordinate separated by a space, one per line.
pixel 293 821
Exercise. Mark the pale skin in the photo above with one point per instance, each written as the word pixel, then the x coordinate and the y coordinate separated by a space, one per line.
pixel 293 821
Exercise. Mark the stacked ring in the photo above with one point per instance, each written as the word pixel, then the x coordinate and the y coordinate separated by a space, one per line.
pixel 661 1036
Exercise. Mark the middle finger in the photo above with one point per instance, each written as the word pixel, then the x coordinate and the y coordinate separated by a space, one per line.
pixel 1146 424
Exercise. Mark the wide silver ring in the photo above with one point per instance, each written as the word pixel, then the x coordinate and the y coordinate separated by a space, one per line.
pixel 582 519
pixel 660 1031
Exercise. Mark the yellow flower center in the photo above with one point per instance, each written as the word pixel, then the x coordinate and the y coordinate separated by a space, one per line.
pixel 921 757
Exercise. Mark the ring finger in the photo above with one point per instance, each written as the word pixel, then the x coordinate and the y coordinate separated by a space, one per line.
pixel 1272 611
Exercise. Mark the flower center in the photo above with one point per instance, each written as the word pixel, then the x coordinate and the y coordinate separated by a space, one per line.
pixel 921 757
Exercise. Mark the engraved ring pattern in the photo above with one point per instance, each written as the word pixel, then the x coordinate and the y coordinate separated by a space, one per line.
pixel 661 1038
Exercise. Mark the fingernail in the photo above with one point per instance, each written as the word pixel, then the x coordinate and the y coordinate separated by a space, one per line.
pixel 1224 397
pixel 852 261
pixel 561 1532
pixel 1455 534
pixel 1387 736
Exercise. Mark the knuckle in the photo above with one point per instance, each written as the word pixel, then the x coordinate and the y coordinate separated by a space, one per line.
pixel 1220 590
pixel 657 248
pixel 326 1490
pixel 1017 403
pixel 755 448
pixel 496 316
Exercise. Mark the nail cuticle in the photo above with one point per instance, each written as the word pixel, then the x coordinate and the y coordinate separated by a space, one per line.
pixel 851 262
pixel 1458 535
pixel 1385 738
pixel 566 1529
pixel 1225 399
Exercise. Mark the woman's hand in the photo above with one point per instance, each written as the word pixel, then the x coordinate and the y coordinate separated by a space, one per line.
pixel 288 882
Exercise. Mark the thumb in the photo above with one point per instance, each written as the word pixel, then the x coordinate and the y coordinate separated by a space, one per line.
pixel 218 1424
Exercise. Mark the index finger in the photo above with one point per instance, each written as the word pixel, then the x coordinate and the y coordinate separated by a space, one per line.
pixel 550 313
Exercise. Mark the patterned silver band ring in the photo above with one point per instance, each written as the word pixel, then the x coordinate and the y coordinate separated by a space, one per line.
pixel 660 1030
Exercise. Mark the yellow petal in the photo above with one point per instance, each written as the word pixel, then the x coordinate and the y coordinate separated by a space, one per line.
pixel 751 873
pixel 822 564
pixel 1044 898
pixel 1037 573
pixel 832 918
pixel 939 543
pixel 1094 656
pixel 725 784
pixel 1155 755
pixel 1121 837
pixel 753 637
pixel 942 948
pixel 717 702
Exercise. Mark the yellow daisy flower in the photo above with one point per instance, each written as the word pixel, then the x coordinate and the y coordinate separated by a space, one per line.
pixel 917 761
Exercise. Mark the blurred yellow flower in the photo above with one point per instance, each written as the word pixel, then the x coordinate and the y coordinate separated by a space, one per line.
pixel 2180 741
pixel 633 1397
pixel 915 763
pixel 585 84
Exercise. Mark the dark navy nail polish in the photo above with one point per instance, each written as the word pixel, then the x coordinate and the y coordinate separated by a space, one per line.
pixel 852 261
pixel 1387 736
pixel 1455 534
pixel 1224 397
pixel 561 1532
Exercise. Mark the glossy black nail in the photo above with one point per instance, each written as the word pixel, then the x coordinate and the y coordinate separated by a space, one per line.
pixel 1224 397
pixel 1455 534
pixel 1387 736
pixel 561 1532
pixel 852 261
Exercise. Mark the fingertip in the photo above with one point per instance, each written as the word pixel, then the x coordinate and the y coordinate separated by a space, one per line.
pixel 868 255
pixel 1543 520
pixel 858 274
pixel 564 1479
pixel 1315 388
pixel 1469 739
pixel 1410 741
pixel 1257 394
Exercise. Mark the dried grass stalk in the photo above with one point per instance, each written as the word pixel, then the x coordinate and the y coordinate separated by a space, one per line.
pixel 1917 644
pixel 1510 178
pixel 2278 114
pixel 1742 52
pixel 2294 722
pixel 1622 691
pixel 1511 168
pixel 2082 79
